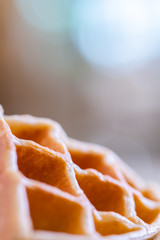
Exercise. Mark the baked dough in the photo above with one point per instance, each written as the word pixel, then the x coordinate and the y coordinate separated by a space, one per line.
pixel 53 187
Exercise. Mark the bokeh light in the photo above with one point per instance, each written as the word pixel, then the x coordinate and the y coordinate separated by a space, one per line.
pixel 45 15
pixel 116 33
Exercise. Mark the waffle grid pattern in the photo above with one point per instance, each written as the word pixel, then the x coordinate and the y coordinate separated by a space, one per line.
pixel 54 187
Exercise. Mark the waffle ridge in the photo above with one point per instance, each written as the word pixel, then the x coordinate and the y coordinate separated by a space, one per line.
pixel 53 187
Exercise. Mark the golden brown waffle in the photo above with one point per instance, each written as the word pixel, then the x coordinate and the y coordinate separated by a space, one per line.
pixel 56 188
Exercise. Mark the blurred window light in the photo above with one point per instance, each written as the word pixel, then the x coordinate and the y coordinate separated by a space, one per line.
pixel 48 15
pixel 111 33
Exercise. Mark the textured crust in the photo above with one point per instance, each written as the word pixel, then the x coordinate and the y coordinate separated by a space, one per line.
pixel 53 187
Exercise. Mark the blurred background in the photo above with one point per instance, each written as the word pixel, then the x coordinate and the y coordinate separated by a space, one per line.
pixel 93 66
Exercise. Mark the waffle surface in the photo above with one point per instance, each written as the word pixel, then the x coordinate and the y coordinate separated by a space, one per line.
pixel 54 188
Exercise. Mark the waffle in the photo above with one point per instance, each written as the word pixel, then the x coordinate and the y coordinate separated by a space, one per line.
pixel 53 187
